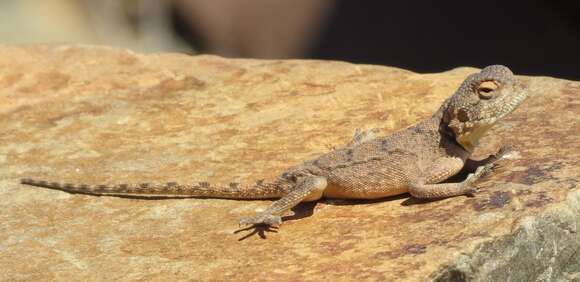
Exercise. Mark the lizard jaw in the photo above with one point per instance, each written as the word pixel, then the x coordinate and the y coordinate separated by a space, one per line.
pixel 470 132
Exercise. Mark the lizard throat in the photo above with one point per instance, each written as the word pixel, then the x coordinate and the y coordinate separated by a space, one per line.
pixel 470 139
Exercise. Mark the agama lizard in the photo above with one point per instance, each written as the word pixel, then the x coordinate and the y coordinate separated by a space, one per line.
pixel 415 160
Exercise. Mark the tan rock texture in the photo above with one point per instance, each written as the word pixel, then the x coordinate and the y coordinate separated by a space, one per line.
pixel 94 114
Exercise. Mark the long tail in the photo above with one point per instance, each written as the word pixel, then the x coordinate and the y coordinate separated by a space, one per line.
pixel 260 190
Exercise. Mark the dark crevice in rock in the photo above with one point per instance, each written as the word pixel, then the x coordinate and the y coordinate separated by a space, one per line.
pixel 543 248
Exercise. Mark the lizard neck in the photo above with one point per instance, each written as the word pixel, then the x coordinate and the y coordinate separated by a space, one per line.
pixel 471 139
pixel 468 144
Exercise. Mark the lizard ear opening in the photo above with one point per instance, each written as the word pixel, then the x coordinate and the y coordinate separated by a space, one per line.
pixel 485 89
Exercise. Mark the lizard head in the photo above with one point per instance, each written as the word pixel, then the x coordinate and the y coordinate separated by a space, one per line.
pixel 481 100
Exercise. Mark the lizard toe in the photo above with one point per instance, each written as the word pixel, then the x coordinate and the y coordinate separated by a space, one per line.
pixel 249 220
pixel 272 220
pixel 482 171
pixel 505 150
pixel 470 190
pixel 266 219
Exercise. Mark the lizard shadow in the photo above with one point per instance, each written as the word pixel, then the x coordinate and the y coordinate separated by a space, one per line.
pixel 409 200
pixel 259 229
pixel 306 209
pixel 351 202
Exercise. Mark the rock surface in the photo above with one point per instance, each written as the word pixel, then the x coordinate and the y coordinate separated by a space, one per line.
pixel 93 114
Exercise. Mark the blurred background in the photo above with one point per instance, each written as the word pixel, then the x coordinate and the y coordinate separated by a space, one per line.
pixel 535 37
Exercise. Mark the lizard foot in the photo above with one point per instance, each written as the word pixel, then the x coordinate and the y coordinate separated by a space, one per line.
pixel 504 150
pixel 507 152
pixel 266 219
pixel 361 136
pixel 481 171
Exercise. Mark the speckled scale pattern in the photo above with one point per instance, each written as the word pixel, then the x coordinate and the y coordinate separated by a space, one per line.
pixel 170 189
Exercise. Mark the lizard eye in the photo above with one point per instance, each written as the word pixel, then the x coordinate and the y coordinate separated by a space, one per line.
pixel 289 176
pixel 486 88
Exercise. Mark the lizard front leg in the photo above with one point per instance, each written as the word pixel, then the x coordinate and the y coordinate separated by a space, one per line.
pixel 503 152
pixel 427 186
pixel 308 188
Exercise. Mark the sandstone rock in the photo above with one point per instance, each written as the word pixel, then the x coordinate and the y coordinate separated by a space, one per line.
pixel 93 114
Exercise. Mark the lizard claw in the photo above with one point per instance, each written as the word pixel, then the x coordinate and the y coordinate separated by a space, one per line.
pixel 267 219
pixel 506 148
pixel 470 189
pixel 361 136
pixel 507 151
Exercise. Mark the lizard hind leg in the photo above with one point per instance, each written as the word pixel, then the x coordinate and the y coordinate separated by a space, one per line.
pixel 308 188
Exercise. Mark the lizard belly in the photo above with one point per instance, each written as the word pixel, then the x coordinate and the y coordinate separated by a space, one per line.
pixel 338 191
pixel 368 172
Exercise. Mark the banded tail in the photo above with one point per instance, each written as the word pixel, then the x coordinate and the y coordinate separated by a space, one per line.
pixel 260 190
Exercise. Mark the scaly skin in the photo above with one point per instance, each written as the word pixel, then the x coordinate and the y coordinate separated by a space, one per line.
pixel 414 160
